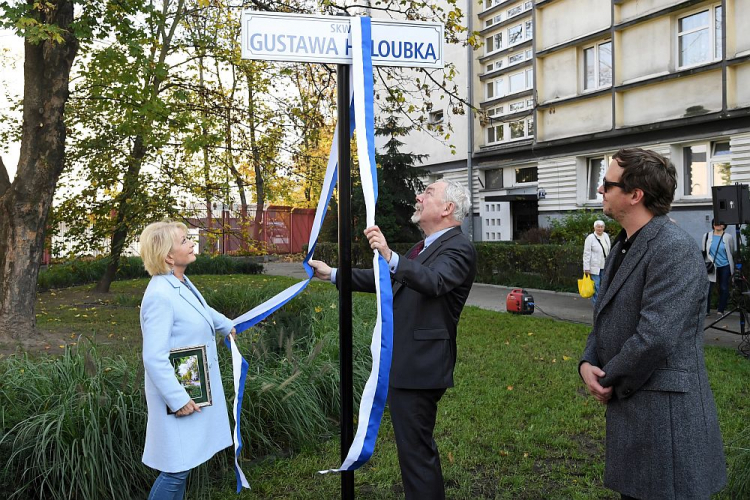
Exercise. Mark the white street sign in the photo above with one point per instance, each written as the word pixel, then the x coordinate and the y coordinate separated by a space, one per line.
pixel 327 39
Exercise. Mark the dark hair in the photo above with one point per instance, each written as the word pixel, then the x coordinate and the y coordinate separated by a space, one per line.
pixel 650 172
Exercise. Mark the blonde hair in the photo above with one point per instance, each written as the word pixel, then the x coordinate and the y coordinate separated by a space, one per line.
pixel 156 242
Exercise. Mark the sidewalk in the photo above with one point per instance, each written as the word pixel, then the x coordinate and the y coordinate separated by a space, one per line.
pixel 560 306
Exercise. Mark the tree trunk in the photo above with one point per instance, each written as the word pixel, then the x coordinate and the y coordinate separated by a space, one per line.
pixel 123 219
pixel 260 193
pixel 131 182
pixel 25 203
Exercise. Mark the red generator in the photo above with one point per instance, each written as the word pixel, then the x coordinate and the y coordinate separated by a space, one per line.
pixel 519 301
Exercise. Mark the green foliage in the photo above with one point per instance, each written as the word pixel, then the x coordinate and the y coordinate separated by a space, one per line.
pixel 574 228
pixel 398 184
pixel 548 267
pixel 73 426
pixel 530 432
pixel 81 271
pixel 542 266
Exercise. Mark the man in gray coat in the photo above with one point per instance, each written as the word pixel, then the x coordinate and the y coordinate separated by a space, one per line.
pixel 644 356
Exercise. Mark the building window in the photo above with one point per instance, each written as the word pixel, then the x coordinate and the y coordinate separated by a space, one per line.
pixel 494 20
pixel 518 129
pixel 516 58
pixel 596 167
pixel 495 133
pixel 493 179
pixel 436 117
pixel 493 43
pixel 515 34
pixel 597 66
pixel 699 37
pixel 520 81
pixel 529 30
pixel 516 106
pixel 515 11
pixel 495 89
pixel 705 165
pixel 527 174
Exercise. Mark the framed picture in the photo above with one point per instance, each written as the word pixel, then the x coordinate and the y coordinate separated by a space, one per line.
pixel 190 366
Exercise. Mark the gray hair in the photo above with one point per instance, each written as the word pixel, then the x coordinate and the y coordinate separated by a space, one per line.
pixel 456 193
pixel 598 223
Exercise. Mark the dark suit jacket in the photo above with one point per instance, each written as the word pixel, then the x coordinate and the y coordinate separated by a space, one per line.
pixel 429 293
pixel 663 437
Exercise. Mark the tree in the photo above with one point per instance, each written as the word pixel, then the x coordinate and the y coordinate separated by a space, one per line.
pixel 398 184
pixel 50 48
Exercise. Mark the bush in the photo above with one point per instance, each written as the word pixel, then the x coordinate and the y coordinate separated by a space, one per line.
pixel 546 267
pixel 573 228
pixel 83 271
pixel 73 427
pixel 550 267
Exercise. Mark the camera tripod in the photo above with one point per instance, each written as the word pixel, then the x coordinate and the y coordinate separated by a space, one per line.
pixel 741 297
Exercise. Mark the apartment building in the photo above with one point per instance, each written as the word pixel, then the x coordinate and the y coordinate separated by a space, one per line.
pixel 672 76
pixel 561 85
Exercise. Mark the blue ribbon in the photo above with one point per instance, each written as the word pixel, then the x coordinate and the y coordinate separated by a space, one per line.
pixel 375 394
pixel 372 402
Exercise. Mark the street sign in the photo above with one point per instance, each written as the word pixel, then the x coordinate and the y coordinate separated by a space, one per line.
pixel 274 36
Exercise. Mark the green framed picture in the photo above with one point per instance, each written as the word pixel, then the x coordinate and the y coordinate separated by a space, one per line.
pixel 190 366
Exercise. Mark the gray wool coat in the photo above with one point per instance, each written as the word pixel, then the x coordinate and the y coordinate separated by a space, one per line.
pixel 662 433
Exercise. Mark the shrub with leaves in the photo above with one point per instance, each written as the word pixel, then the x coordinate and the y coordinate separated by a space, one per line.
pixel 574 228
pixel 73 426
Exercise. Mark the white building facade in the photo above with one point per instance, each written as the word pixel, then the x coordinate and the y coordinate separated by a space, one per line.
pixel 561 85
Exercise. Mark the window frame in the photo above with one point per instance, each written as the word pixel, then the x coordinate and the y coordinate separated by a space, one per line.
pixel 606 159
pixel 497 173
pixel 715 46
pixel 436 117
pixel 712 161
pixel 596 50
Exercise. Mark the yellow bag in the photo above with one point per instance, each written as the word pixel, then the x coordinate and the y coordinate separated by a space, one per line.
pixel 586 286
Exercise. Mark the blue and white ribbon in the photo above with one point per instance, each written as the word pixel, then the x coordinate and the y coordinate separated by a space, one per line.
pixel 372 402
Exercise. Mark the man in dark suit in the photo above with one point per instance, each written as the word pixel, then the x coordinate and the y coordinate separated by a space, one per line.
pixel 644 356
pixel 430 287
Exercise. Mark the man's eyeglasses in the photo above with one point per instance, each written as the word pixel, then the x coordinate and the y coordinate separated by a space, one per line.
pixel 608 184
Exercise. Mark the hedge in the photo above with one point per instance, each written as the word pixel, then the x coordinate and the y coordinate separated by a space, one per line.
pixel 82 271
pixel 546 267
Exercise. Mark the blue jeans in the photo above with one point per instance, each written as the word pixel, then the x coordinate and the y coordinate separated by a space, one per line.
pixel 597 279
pixel 169 486
pixel 723 275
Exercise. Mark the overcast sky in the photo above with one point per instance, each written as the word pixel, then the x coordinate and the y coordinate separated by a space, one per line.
pixel 11 82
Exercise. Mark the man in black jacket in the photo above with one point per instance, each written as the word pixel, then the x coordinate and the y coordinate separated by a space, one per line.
pixel 430 287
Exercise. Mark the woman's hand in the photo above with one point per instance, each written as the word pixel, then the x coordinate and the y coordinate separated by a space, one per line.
pixel 189 408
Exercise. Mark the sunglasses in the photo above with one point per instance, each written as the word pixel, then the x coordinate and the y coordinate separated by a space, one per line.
pixel 608 184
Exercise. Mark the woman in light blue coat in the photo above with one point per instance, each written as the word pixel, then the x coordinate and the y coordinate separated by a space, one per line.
pixel 175 315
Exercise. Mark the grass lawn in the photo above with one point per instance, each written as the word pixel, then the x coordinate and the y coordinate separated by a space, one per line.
pixel 518 424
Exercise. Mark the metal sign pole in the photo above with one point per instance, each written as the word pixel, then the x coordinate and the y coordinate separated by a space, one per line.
pixel 344 279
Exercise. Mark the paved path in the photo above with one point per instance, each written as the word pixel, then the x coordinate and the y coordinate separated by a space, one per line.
pixel 561 306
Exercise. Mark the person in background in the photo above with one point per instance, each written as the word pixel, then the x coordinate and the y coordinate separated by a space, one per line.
pixel 175 315
pixel 718 246
pixel 430 286
pixel 595 251
pixel 644 356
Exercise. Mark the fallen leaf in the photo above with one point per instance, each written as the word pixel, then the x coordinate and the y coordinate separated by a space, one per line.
pixel 510 387
pixel 566 358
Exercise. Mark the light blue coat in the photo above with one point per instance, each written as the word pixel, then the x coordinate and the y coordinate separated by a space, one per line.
pixel 172 317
